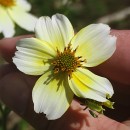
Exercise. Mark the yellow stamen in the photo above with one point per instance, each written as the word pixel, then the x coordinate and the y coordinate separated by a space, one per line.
pixel 7 3
pixel 66 61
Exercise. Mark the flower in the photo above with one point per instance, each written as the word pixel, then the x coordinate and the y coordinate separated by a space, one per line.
pixel 62 59
pixel 15 11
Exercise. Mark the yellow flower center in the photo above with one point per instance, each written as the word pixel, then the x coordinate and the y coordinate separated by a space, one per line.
pixel 7 3
pixel 66 61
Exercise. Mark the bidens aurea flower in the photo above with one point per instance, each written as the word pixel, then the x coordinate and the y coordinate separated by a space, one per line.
pixel 15 11
pixel 62 59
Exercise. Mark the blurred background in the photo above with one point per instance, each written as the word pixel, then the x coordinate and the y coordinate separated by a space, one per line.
pixel 116 13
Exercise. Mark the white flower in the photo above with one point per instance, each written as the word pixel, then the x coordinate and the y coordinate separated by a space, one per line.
pixel 15 11
pixel 62 60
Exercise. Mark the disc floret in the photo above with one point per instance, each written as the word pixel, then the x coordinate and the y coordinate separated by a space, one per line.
pixel 66 61
pixel 7 3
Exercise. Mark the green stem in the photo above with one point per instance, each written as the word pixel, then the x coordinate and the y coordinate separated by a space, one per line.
pixel 4 113
pixel 1 109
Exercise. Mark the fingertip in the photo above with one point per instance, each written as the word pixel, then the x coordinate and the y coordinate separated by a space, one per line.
pixel 8 47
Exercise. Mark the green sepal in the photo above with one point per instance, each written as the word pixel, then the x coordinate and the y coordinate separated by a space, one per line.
pixel 109 104
pixel 108 96
pixel 94 105
pixel 93 114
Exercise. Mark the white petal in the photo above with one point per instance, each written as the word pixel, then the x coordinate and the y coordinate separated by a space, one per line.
pixel 29 67
pixel 94 44
pixel 23 4
pixel 6 24
pixel 52 95
pixel 57 31
pixel 85 84
pixel 36 44
pixel 23 19
pixel 32 56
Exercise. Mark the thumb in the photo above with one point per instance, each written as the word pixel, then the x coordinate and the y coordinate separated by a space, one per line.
pixel 105 123
pixel 127 122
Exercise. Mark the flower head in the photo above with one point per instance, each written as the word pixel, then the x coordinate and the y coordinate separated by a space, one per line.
pixel 62 59
pixel 15 11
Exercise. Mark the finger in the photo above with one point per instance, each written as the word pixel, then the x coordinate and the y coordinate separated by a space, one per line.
pixel 118 66
pixel 105 123
pixel 8 47
pixel 19 99
pixel 127 122
pixel 16 93
pixel 5 69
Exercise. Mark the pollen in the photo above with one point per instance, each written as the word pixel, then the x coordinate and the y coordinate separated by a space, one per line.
pixel 7 3
pixel 66 61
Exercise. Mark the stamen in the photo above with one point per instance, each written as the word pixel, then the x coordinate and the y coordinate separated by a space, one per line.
pixel 66 61
pixel 79 57
pixel 56 70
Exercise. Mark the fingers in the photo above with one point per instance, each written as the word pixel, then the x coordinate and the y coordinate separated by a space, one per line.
pixel 16 88
pixel 8 47
pixel 116 68
pixel 16 91
pixel 18 98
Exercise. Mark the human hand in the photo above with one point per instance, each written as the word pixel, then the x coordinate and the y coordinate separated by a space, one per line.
pixel 16 91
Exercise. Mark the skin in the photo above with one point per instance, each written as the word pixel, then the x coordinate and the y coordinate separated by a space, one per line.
pixel 16 88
